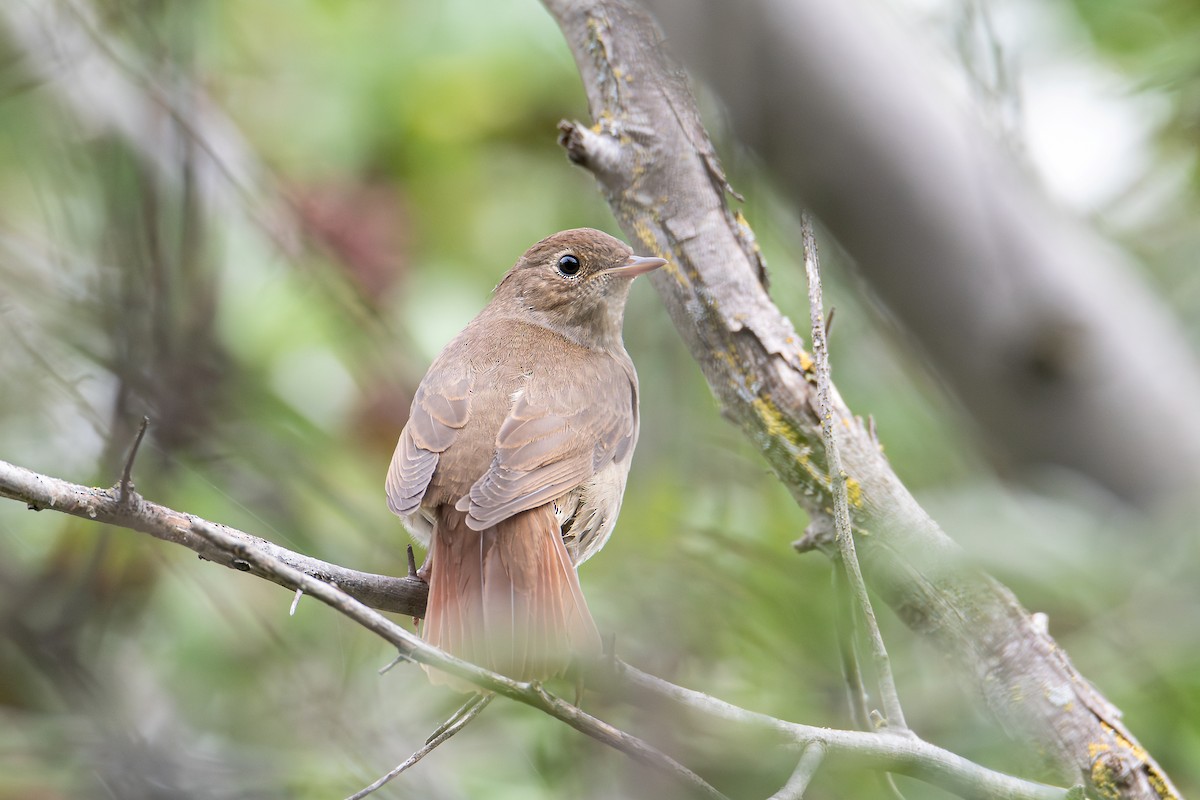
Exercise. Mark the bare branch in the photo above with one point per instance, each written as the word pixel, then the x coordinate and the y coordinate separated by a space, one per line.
pixel 401 595
pixel 837 478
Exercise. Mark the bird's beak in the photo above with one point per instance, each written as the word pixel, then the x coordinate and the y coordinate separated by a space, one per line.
pixel 636 265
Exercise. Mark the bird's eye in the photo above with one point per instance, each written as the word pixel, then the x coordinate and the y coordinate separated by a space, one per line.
pixel 568 265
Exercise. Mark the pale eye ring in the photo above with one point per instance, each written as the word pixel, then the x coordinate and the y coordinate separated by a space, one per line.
pixel 568 265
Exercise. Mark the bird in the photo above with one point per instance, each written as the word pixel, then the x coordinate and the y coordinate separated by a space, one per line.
pixel 513 463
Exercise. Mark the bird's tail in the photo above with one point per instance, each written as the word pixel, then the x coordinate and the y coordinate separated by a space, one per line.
pixel 507 597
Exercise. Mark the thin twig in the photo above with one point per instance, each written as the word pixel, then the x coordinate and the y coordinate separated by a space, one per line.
pixel 466 708
pixel 456 723
pixel 810 761
pixel 399 659
pixel 837 479
pixel 856 691
pixel 126 484
pixel 847 649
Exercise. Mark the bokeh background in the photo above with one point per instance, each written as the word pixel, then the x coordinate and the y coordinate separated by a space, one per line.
pixel 257 222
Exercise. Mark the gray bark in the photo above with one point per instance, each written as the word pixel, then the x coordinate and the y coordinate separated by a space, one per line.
pixel 655 164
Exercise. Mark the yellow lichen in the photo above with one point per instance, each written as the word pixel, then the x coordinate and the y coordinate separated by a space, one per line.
pixel 747 231
pixel 806 360
pixel 777 427
pixel 854 493
pixel 1160 785
pixel 649 241
pixel 1102 776
pixel 1138 751
pixel 1103 780
pixel 770 416
pixel 775 424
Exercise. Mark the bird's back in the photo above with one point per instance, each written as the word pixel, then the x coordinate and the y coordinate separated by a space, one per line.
pixel 504 358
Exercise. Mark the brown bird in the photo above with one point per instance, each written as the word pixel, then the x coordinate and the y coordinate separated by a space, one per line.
pixel 513 462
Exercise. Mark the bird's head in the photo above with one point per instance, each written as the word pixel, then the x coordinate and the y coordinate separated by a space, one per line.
pixel 576 283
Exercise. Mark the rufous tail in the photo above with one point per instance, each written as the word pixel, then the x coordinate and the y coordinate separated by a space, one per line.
pixel 507 597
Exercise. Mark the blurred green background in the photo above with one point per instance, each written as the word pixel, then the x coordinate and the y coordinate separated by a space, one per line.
pixel 378 166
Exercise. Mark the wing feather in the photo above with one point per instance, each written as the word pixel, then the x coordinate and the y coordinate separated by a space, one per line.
pixel 440 409
pixel 555 437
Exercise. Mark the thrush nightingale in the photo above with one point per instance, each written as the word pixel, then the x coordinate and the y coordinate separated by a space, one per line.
pixel 513 462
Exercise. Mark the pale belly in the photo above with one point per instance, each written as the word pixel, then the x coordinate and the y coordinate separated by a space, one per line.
pixel 588 513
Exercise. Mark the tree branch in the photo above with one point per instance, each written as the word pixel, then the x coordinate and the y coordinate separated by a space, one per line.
pixel 882 751
pixel 657 167
pixel 355 594
pixel 401 595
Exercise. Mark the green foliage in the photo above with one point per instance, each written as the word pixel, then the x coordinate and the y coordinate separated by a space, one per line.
pixel 415 144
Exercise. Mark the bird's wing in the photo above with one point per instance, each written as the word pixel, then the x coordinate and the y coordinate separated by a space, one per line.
pixel 440 409
pixel 558 433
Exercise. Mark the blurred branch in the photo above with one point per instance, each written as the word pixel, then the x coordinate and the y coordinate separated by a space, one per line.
pixel 400 595
pixel 461 718
pixel 1039 326
pixel 107 88
pixel 655 163
pixel 884 751
pixel 111 88
pixel 357 595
